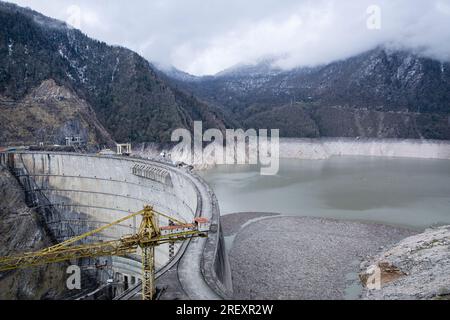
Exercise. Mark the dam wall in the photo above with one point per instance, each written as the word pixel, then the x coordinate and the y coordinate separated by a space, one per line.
pixel 83 192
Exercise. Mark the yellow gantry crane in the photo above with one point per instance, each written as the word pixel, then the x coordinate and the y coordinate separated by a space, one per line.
pixel 147 238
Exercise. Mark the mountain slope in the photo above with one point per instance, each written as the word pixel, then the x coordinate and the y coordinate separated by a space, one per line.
pixel 48 114
pixel 381 93
pixel 130 100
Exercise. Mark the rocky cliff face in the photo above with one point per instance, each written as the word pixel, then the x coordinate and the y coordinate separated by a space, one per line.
pixel 300 148
pixel 379 94
pixel 130 100
pixel 21 232
pixel 48 114
pixel 416 268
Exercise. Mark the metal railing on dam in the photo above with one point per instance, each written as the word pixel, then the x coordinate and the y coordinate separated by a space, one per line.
pixel 76 192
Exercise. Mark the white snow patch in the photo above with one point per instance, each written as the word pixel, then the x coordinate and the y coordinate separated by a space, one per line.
pixel 115 69
pixel 10 47
pixel 70 76
pixel 80 70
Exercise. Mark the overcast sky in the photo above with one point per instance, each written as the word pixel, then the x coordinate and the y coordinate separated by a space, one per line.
pixel 207 36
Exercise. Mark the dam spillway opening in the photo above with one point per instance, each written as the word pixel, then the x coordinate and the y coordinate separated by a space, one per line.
pixel 75 193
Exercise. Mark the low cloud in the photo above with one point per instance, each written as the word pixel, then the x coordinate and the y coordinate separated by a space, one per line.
pixel 206 37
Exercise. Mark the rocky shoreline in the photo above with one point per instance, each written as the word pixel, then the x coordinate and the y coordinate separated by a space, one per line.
pixel 310 149
pixel 284 257
pixel 416 268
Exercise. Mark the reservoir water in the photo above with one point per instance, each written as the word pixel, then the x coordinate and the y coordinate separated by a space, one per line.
pixel 398 191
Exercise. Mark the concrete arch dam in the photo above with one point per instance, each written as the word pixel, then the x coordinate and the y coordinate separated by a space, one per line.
pixel 75 193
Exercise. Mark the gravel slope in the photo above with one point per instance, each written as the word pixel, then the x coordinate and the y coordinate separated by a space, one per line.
pixel 303 258
pixel 422 265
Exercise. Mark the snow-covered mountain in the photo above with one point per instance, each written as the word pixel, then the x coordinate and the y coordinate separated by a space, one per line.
pixel 381 93
pixel 128 97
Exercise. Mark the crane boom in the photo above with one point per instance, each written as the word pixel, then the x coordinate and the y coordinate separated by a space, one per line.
pixel 148 236
pixel 102 249
pixel 90 233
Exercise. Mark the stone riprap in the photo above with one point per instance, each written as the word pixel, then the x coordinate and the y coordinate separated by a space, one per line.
pixel 422 264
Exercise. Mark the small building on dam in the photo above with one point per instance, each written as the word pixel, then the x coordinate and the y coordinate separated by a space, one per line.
pixel 75 193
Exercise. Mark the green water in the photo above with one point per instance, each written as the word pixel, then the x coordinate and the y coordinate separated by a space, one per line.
pixel 406 192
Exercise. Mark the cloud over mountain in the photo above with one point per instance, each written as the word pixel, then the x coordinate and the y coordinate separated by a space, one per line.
pixel 205 37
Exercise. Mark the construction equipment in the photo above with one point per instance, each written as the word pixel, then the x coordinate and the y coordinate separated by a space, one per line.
pixel 149 235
